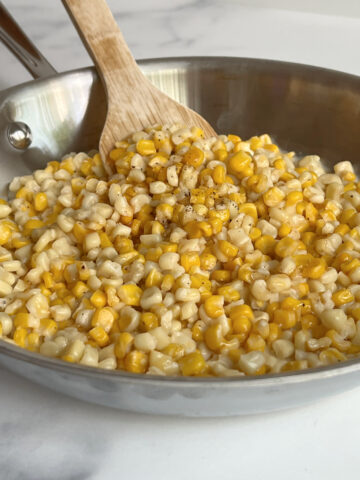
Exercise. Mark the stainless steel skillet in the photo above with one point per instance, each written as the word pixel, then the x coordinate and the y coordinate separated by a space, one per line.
pixel 307 109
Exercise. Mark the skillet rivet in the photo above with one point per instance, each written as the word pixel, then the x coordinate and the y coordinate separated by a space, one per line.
pixel 19 135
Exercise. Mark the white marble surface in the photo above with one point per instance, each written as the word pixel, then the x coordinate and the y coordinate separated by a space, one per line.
pixel 47 436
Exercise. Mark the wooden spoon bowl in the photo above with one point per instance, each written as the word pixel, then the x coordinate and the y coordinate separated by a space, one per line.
pixel 133 102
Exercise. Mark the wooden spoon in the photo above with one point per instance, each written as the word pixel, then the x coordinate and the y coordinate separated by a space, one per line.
pixel 133 102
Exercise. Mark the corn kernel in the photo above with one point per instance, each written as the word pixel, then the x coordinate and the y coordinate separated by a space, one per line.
pixel 192 364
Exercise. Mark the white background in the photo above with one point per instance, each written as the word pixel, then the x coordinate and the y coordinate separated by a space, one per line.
pixel 46 436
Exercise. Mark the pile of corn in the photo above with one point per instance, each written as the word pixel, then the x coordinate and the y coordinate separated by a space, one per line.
pixel 184 256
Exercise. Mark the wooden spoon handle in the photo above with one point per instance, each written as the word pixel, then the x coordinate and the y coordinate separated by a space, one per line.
pixel 104 41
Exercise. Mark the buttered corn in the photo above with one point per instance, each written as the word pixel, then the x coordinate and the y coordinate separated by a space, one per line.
pixel 184 256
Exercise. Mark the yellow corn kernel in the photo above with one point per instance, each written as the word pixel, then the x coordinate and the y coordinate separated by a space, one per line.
pixel 153 279
pixel 194 157
pixel 266 244
pixel 5 234
pixel 255 342
pixel 338 341
pixel 221 276
pixel 45 291
pixel 98 299
pixel 245 274
pixel 223 214
pixel 22 319
pixel 86 167
pixel 105 241
pixel 331 355
pixel 216 225
pixel 315 269
pixel 308 238
pixel 54 166
pixel 343 296
pixel 241 311
pixel 227 248
pixel 241 325
pixel 100 336
pixel 136 362
pixel 240 161
pixel 207 261
pixel 257 183
pixel 31 225
pixel 19 242
pixel 145 147
pixel 167 282
pixel 346 215
pixel 351 265
pixel 290 303
pixel 148 321
pixel 286 247
pixel 272 148
pixel 255 233
pixel 311 212
pixel 256 142
pixel 189 260
pixel 192 364
pixel 302 289
pixel 234 355
pixel 237 197
pixel 20 335
pixel 198 196
pixel 342 229
pixel 309 321
pixel 229 293
pixel 123 344
pixel 285 318
pixel 181 145
pixel 48 279
pixel 234 138
pixel 196 133
pixel 221 154
pixel 48 327
pixel 79 232
pixel 40 202
pixel 153 254
pixel 174 350
pixel 284 230
pixel 293 365
pixel 164 211
pixel 349 177
pixel 197 332
pixel 273 197
pixel 200 282
pixel 123 245
pixel 293 198
pixel 104 318
pixel 25 193
pixel 79 289
pixel 130 294
pixel 214 306
pixel 249 209
pixel 271 307
pixel 213 337
pixel 33 342
pixel 77 185
pixel 349 187
pixel 274 332
pixel 279 164
pixel 219 174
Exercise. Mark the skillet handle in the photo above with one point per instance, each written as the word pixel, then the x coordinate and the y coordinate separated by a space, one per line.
pixel 21 46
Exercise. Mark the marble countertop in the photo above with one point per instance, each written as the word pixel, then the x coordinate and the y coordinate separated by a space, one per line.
pixel 46 436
